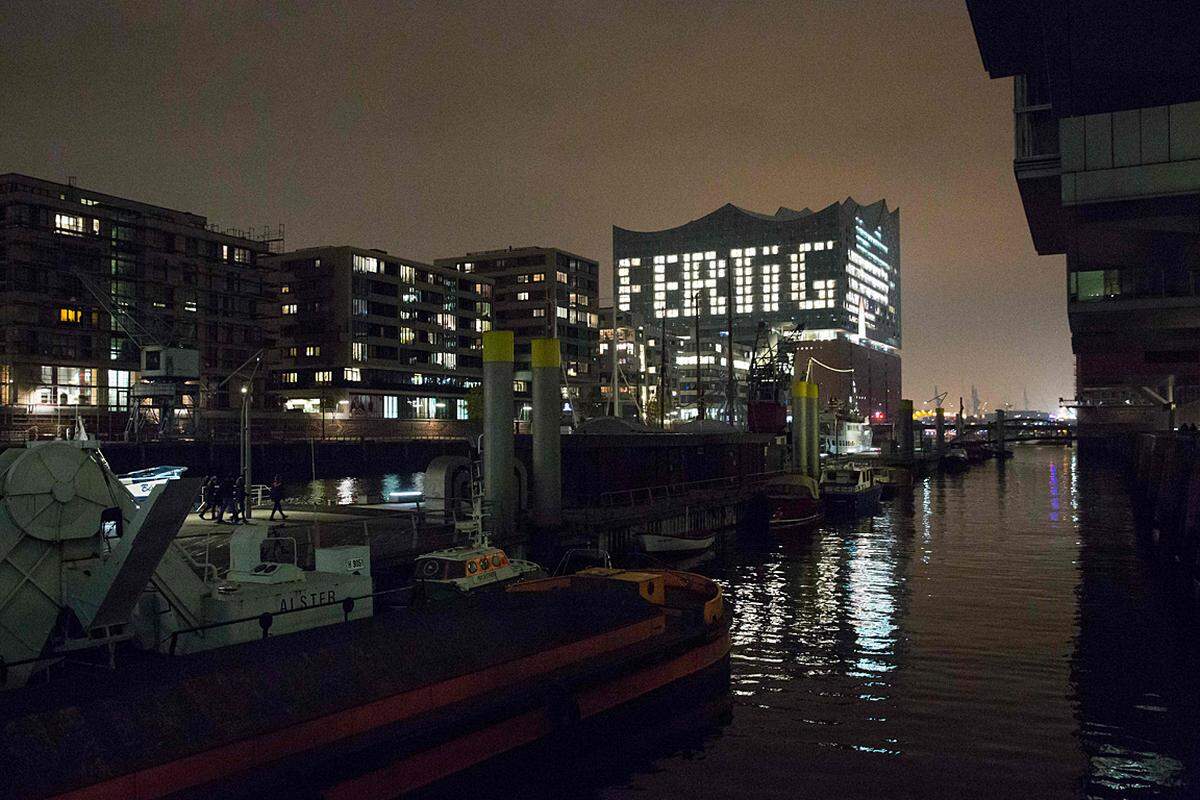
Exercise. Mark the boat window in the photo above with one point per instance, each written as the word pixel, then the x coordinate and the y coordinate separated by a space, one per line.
pixel 495 561
pixel 472 567
pixel 429 568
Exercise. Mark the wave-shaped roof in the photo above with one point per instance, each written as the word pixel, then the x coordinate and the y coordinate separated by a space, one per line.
pixel 730 215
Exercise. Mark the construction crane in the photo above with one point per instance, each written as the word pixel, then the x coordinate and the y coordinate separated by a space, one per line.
pixel 167 370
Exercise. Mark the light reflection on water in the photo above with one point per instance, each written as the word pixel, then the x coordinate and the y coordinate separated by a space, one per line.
pixel 993 635
pixel 355 490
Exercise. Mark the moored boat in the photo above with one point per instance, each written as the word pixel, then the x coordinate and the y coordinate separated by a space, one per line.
pixel 677 543
pixel 334 695
pixel 458 571
pixel 795 503
pixel 141 482
pixel 891 480
pixel 849 489
pixel 955 460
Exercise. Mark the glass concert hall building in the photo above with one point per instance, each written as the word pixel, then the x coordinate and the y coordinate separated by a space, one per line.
pixel 832 275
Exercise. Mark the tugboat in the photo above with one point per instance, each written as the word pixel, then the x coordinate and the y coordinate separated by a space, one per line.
pixel 850 489
pixel 795 504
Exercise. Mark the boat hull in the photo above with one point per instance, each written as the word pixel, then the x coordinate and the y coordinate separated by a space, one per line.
pixel 955 465
pixel 656 543
pixel 372 708
pixel 858 503
pixel 786 526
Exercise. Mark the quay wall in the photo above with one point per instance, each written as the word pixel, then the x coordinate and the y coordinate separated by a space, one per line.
pixel 1166 480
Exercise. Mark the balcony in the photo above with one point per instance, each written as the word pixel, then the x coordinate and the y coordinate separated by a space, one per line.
pixel 1036 162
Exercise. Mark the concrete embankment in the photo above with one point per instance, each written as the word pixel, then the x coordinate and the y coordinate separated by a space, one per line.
pixel 1166 474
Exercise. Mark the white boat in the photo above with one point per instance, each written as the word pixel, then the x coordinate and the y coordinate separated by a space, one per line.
pixel 141 482
pixel 683 543
pixel 459 571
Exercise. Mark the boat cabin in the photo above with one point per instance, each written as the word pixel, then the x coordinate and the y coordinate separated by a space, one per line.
pixel 450 565
pixel 846 478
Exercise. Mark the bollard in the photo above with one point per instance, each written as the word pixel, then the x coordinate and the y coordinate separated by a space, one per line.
pixel 906 430
pixel 814 431
pixel 800 427
pixel 498 430
pixel 546 424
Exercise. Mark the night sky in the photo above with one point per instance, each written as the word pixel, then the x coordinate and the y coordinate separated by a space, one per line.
pixel 430 129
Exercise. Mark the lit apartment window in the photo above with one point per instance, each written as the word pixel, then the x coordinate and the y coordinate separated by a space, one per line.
pixel 224 252
pixel 292 351
pixel 284 289
pixel 312 350
pixel 290 377
pixel 352 374
pixel 290 308
pixel 539 312
pixel 407 336
pixel 522 295
pixel 358 351
pixel 241 255
pixel 68 224
pixel 562 312
pixel 323 376
pixel 365 264
pixel 538 276
pixel 70 315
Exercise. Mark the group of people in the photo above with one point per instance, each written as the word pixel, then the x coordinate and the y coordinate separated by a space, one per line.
pixel 220 497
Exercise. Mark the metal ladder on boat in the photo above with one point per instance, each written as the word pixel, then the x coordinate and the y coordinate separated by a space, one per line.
pixel 473 526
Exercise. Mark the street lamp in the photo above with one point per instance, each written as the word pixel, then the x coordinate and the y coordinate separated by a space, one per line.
pixel 246 441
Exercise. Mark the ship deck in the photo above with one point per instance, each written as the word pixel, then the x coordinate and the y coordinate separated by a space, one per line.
pixel 406 674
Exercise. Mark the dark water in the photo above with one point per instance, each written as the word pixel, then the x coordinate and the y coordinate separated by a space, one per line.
pixel 998 635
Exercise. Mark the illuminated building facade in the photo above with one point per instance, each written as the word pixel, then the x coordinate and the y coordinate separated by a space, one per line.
pixel 366 334
pixel 87 280
pixel 544 292
pixel 828 275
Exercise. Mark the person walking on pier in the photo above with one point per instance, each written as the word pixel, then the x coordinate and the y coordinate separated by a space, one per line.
pixel 221 490
pixel 277 498
pixel 207 491
pixel 239 502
